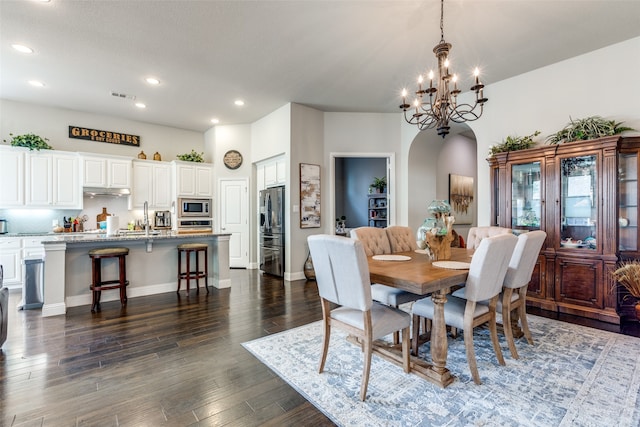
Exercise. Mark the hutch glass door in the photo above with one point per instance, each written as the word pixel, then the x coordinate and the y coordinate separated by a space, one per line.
pixel 579 213
pixel 628 202
pixel 525 196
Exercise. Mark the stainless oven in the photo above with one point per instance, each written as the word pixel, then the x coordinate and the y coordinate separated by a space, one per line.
pixel 200 208
pixel 194 225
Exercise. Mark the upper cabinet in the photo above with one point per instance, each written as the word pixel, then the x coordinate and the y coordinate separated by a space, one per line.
pixel 40 179
pixel 584 195
pixel 106 172
pixel 272 173
pixel 11 177
pixel 152 183
pixel 193 179
pixel 53 180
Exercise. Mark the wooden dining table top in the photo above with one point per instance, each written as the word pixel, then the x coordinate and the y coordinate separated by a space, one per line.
pixel 418 275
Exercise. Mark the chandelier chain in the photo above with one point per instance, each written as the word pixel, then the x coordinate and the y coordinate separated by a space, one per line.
pixel 441 21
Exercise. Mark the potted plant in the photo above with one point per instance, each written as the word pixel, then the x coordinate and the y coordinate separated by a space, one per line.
pixel 588 128
pixel 30 141
pixel 193 156
pixel 628 275
pixel 379 184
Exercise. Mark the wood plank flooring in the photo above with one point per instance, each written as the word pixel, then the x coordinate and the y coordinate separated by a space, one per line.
pixel 165 360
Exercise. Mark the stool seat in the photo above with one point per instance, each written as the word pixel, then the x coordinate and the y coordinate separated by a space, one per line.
pixel 193 246
pixel 98 285
pixel 109 252
pixel 197 274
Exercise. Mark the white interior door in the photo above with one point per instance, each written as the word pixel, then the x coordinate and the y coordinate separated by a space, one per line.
pixel 234 219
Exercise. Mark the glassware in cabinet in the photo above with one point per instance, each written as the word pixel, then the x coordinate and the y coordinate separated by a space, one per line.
pixel 578 194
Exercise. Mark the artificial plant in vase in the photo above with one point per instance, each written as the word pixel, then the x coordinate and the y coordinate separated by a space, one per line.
pixel 193 156
pixel 379 184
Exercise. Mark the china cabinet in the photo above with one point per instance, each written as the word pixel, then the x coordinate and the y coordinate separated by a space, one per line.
pixel 584 196
pixel 377 205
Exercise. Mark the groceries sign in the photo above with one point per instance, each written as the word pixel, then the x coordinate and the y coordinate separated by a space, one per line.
pixel 77 132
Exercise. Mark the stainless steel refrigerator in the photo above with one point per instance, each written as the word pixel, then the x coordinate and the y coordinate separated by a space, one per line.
pixel 272 231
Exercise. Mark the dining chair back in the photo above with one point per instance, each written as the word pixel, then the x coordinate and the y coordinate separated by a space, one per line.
pixel 374 240
pixel 486 275
pixel 516 282
pixel 342 275
pixel 476 234
pixel 401 238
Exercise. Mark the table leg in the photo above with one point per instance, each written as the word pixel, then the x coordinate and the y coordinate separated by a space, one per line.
pixel 439 335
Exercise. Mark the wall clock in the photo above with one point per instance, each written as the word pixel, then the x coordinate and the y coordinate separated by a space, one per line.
pixel 232 159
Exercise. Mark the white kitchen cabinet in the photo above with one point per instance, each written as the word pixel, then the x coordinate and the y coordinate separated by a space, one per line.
pixel 281 171
pixel 106 172
pixel 272 172
pixel 11 177
pixel 152 182
pixel 193 180
pixel 11 260
pixel 32 247
pixel 52 180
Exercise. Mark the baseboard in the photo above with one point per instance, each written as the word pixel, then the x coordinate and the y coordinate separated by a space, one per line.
pixel 53 309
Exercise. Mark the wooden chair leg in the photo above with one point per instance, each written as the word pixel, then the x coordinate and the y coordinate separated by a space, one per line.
pixel 471 355
pixel 493 328
pixel 197 254
pixel 206 269
pixel 188 255
pixel 522 311
pixel 179 270
pixel 326 335
pixel 406 350
pixel 507 322
pixel 368 345
pixel 416 333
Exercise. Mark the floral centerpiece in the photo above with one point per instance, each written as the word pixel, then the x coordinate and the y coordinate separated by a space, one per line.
pixel 436 233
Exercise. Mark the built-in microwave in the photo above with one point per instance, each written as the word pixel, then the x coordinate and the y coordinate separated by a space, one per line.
pixel 200 208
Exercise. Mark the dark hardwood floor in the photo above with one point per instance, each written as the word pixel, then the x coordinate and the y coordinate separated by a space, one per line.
pixel 165 359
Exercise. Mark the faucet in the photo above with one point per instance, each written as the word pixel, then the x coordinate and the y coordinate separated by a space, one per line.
pixel 146 218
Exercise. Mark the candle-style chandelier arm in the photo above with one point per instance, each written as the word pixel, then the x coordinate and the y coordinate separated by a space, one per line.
pixel 437 104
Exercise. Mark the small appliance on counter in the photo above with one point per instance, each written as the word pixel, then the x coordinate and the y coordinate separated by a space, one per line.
pixel 162 219
pixel 3 226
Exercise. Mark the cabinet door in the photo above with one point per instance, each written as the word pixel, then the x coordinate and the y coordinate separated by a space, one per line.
pixel 526 195
pixel 12 178
pixel 119 173
pixel 579 282
pixel 142 184
pixel 94 172
pixel 39 176
pixel 204 184
pixel 186 180
pixel 161 187
pixel 11 261
pixel 536 288
pixel 281 171
pixel 65 183
pixel 579 201
pixel 628 201
pixel 270 174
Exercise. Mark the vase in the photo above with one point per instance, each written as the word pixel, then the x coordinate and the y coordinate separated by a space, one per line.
pixel 309 272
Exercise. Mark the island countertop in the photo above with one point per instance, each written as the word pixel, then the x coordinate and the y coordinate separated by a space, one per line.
pixel 152 265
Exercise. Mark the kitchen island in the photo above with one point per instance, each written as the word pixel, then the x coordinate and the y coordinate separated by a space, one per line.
pixel 152 266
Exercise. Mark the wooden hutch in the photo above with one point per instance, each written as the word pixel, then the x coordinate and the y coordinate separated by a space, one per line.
pixel 584 194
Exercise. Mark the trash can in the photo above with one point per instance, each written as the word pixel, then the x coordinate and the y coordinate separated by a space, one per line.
pixel 32 290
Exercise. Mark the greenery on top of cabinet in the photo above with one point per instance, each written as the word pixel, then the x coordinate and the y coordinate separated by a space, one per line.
pixel 514 143
pixel 191 157
pixel 30 141
pixel 588 128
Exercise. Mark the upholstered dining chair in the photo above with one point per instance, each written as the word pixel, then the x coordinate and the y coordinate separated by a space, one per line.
pixel 484 282
pixel 476 234
pixel 516 282
pixel 342 275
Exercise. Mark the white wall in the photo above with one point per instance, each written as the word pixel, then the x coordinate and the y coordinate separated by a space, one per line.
pixel 603 82
pixel 53 123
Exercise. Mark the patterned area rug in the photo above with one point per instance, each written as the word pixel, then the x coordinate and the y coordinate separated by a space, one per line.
pixel 572 376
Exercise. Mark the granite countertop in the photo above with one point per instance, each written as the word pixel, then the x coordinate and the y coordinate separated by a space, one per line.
pixel 94 238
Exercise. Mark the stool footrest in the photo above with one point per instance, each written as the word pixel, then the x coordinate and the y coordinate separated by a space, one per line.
pixel 109 284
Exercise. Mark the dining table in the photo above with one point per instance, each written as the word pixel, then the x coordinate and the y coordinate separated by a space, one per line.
pixel 415 272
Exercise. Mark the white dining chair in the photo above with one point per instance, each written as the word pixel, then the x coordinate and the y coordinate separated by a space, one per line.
pixel 516 282
pixel 476 234
pixel 380 241
pixel 342 275
pixel 484 282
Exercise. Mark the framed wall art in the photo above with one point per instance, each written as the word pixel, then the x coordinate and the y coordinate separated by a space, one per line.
pixel 309 195
pixel 461 198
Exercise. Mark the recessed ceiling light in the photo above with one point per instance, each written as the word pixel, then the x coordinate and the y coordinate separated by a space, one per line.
pixel 152 81
pixel 140 105
pixel 22 48
pixel 215 121
pixel 36 83
pixel 239 102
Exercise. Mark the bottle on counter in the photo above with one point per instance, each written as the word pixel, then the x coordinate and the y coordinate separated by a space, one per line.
pixel 102 217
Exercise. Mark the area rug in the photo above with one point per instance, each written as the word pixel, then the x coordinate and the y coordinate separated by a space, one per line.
pixel 572 376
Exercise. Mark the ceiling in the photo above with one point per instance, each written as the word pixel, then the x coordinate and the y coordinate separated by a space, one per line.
pixel 339 55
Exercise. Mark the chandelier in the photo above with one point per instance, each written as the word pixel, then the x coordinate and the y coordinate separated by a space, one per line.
pixel 437 105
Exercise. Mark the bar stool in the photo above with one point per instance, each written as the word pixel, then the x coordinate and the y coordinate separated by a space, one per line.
pixel 98 285
pixel 197 274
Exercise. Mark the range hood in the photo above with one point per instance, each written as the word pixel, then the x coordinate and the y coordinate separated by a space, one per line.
pixel 98 191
